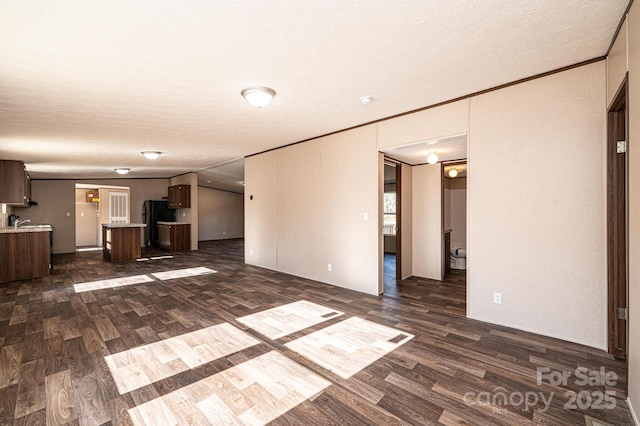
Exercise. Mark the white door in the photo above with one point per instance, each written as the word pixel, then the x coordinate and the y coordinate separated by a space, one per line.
pixel 118 207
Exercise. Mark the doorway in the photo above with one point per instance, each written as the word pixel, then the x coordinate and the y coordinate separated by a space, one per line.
pixel 617 235
pixel 87 219
pixel 95 205
pixel 391 235
pixel 454 214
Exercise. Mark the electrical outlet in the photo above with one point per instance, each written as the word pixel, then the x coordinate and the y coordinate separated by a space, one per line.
pixel 329 267
pixel 250 252
pixel 497 298
pixel 365 216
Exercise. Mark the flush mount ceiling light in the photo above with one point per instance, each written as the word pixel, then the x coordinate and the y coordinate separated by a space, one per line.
pixel 122 170
pixel 151 155
pixel 453 173
pixel 258 97
pixel 366 100
pixel 432 158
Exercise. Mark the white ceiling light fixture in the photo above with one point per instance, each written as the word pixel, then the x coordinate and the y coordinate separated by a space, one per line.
pixel 366 100
pixel 151 155
pixel 258 97
pixel 453 173
pixel 432 158
pixel 122 170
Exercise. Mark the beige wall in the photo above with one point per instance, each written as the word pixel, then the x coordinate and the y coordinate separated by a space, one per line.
pixel 189 215
pixel 220 214
pixel 427 238
pixel 308 209
pixel 56 199
pixel 433 123
pixel 260 210
pixel 300 221
pixel 537 206
pixel 633 159
pixel 617 63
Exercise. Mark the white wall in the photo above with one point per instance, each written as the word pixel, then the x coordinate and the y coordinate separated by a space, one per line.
pixel 220 214
pixel 633 160
pixel 537 206
pixel 308 210
pixel 427 238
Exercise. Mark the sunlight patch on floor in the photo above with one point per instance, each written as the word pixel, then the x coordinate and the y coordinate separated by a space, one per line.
pixel 112 283
pixel 349 346
pixel 139 279
pixel 255 392
pixel 183 273
pixel 287 319
pixel 143 365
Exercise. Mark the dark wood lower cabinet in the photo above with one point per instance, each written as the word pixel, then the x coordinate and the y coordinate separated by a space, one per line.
pixel 175 237
pixel 24 255
pixel 121 243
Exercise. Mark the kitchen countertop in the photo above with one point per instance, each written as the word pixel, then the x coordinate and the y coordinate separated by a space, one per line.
pixel 173 223
pixel 26 228
pixel 124 225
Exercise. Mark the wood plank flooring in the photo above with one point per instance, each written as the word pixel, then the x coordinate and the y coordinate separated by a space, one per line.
pixel 64 354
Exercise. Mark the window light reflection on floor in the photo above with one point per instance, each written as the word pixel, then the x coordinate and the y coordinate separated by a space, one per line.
pixel 147 364
pixel 183 273
pixel 287 319
pixel 349 346
pixel 114 282
pixel 140 279
pixel 254 392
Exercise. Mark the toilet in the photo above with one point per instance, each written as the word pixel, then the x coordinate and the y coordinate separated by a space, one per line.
pixel 458 258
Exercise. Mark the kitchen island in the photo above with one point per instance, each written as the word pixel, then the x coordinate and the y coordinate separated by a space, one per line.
pixel 26 252
pixel 121 241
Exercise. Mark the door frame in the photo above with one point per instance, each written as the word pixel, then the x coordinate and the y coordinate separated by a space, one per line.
pixel 398 221
pixel 617 223
pixel 398 167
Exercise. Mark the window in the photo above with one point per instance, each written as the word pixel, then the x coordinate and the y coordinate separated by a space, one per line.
pixel 389 224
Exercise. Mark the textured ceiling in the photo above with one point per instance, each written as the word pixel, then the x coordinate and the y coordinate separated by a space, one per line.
pixel 86 85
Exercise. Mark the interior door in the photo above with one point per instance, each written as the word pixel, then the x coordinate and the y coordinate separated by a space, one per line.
pixel 617 146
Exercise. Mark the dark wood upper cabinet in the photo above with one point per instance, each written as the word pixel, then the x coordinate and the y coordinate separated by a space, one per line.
pixel 15 184
pixel 179 197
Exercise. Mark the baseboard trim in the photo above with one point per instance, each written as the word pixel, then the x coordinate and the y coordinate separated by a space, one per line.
pixel 633 413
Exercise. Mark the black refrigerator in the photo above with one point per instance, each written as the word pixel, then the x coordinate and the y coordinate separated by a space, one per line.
pixel 154 211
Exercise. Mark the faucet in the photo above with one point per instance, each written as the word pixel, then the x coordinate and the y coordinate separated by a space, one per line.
pixel 20 222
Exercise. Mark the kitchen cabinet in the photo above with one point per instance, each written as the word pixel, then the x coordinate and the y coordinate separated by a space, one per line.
pixel 26 253
pixel 179 197
pixel 121 242
pixel 174 236
pixel 15 184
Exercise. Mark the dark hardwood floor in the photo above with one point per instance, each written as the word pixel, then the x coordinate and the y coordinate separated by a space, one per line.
pixel 54 343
